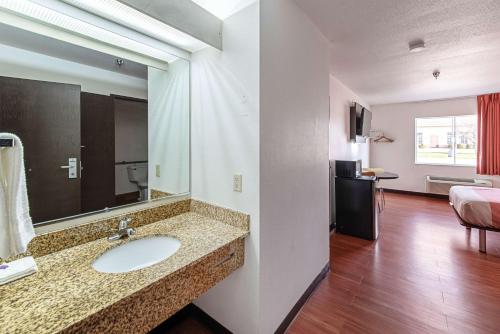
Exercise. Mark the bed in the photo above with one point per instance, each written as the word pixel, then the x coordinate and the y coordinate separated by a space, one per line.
pixel 477 207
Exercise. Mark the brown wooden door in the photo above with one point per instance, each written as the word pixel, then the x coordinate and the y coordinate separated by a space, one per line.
pixel 46 116
pixel 98 152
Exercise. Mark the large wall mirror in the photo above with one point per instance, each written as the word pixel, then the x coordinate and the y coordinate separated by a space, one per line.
pixel 98 131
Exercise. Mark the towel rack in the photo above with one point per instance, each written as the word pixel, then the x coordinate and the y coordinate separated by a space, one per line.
pixel 130 162
pixel 6 142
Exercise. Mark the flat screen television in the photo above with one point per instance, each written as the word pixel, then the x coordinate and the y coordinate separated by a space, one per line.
pixel 361 119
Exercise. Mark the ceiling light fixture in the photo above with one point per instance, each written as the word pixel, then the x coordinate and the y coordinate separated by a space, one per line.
pixel 417 46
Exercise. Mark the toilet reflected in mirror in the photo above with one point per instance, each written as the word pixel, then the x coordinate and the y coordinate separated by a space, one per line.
pixel 138 174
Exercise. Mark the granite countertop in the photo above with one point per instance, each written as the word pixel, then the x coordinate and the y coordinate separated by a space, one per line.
pixel 66 289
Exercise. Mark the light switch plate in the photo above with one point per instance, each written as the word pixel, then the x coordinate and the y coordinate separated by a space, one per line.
pixel 157 170
pixel 238 183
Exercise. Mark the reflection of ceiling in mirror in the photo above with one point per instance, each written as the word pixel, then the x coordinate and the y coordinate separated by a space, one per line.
pixel 24 64
pixel 41 44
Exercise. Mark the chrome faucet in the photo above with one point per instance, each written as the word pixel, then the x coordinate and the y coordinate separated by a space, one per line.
pixel 123 230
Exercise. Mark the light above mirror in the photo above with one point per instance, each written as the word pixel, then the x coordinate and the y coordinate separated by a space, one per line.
pixel 127 16
pixel 61 21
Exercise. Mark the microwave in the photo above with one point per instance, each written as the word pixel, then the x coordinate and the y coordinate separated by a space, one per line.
pixel 348 169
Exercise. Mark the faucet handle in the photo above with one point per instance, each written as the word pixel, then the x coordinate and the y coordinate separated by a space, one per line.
pixel 124 223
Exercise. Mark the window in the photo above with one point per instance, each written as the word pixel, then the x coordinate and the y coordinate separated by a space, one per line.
pixel 446 140
pixel 449 138
pixel 420 138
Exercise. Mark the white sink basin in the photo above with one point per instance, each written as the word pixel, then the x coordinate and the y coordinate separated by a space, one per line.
pixel 136 254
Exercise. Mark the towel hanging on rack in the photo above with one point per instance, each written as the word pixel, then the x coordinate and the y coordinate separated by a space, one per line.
pixel 16 227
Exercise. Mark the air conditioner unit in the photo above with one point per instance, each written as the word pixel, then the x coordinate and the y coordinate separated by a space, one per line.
pixel 442 184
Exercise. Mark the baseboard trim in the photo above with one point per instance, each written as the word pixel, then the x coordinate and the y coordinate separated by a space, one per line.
pixel 302 300
pixel 416 193
pixel 191 311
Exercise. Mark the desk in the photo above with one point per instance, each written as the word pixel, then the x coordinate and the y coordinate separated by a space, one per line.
pixel 386 176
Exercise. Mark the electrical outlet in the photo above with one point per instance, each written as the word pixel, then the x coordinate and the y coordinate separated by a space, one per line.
pixel 157 170
pixel 238 183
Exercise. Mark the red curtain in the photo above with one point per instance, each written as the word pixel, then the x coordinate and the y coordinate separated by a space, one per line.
pixel 488 134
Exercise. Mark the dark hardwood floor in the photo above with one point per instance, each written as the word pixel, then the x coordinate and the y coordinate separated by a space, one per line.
pixel 424 275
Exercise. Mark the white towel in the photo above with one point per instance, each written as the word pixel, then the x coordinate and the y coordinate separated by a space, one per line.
pixel 16 228
pixel 17 269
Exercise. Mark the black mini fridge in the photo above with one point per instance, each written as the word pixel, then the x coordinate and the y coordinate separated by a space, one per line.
pixel 356 207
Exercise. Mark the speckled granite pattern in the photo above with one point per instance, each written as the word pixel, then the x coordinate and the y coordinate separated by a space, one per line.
pixel 231 217
pixel 67 295
pixel 155 194
pixel 55 241
pixel 149 307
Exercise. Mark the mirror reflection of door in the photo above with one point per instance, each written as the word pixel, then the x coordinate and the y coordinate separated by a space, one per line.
pixel 98 152
pixel 57 122
pixel 114 139
pixel 46 116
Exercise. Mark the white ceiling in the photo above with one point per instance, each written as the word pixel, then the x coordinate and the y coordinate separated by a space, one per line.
pixel 370 46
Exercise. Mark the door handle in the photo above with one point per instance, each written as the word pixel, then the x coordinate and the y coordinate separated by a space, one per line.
pixel 71 167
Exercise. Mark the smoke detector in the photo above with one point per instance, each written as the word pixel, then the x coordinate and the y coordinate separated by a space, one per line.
pixel 436 74
pixel 416 46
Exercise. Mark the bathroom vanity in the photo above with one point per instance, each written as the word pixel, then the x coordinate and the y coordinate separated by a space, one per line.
pixel 102 112
pixel 67 295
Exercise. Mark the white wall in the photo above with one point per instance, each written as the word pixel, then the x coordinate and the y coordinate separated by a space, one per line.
pixel 225 141
pixel 397 121
pixel 281 151
pixel 294 166
pixel 341 148
pixel 19 63
pixel 168 118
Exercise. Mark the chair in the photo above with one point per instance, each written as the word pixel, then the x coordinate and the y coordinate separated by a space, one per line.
pixel 381 199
